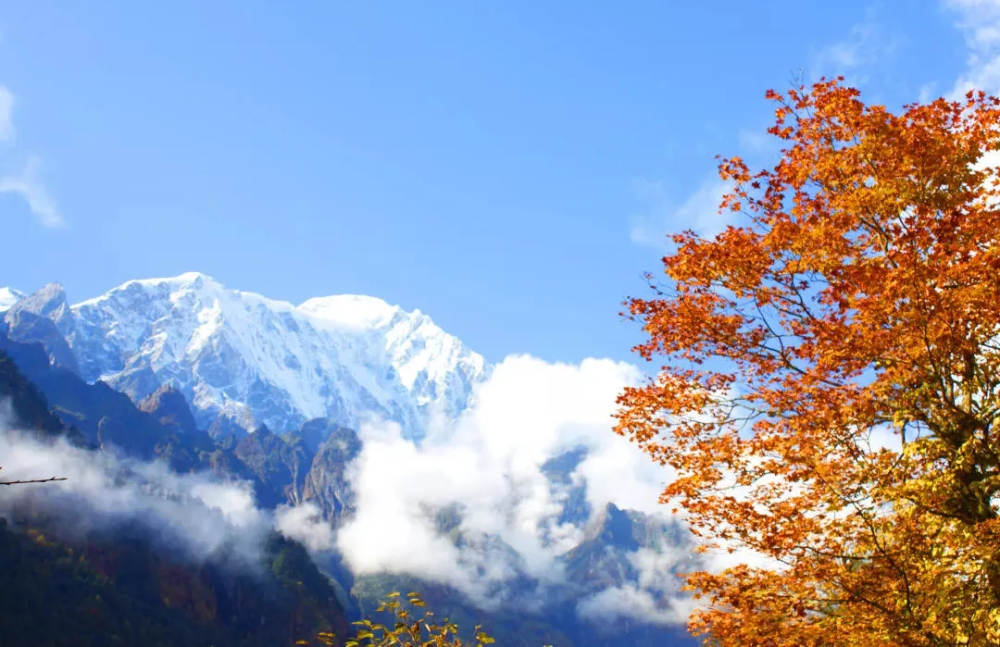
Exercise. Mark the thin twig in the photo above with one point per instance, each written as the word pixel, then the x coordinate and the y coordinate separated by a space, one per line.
pixel 48 480
pixel 51 478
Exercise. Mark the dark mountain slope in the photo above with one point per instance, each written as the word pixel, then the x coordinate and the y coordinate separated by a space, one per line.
pixel 279 466
pixel 120 590
pixel 28 405
pixel 327 484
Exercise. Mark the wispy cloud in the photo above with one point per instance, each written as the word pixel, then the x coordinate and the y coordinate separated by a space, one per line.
pixel 28 182
pixel 6 115
pixel 197 515
pixel 192 514
pixel 979 21
pixel 858 55
pixel 757 142
pixel 864 48
pixel 661 214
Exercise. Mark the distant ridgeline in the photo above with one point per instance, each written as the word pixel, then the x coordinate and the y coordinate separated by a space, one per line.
pixel 123 589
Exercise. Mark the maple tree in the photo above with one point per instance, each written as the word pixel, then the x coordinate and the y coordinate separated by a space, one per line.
pixel 829 396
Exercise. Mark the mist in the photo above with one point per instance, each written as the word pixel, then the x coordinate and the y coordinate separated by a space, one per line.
pixel 489 466
pixel 197 517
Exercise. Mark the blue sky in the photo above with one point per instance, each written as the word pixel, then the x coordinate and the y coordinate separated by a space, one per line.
pixel 509 168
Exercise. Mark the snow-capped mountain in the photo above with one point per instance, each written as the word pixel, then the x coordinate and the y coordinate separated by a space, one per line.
pixel 9 297
pixel 262 361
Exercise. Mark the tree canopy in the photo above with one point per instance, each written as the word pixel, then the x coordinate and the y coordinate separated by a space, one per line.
pixel 829 388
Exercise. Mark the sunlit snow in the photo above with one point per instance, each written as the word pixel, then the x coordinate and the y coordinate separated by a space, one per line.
pixel 343 357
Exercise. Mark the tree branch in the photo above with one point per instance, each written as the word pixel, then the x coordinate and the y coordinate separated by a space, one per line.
pixel 51 478
pixel 21 482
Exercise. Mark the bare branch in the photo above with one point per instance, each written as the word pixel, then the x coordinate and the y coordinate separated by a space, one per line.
pixel 21 482
pixel 48 480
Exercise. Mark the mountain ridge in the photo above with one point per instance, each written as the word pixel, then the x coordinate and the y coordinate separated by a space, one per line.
pixel 257 360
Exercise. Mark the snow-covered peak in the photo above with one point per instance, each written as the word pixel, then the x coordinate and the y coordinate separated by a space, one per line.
pixel 8 297
pixel 185 282
pixel 187 278
pixel 350 311
pixel 263 361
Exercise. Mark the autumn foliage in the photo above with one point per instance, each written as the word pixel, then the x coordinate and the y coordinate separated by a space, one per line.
pixel 407 628
pixel 829 395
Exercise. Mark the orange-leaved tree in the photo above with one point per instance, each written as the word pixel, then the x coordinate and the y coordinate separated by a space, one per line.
pixel 829 395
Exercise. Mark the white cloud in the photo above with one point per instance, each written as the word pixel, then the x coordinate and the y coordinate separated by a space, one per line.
pixel 926 93
pixel 305 523
pixel 656 597
pixel 661 216
pixel 850 53
pixel 757 142
pixel 630 601
pixel 489 466
pixel 864 48
pixel 195 514
pixel 6 114
pixel 979 21
pixel 28 184
pixel 200 517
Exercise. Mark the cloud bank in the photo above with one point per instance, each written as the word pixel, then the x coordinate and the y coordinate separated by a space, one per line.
pixel 489 466
pixel 194 515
